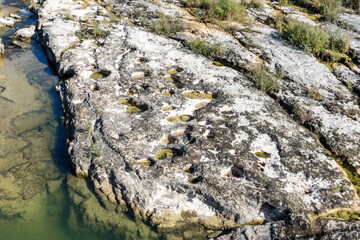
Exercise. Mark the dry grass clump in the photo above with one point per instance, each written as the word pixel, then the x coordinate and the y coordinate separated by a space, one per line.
pixel 230 10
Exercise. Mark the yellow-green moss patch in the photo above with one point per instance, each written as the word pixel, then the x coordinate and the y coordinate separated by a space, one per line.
pixel 167 108
pixel 178 133
pixel 99 75
pixel 345 215
pixel 167 153
pixel 167 140
pixel 132 106
pixel 168 92
pixel 179 118
pixel 218 64
pixel 201 105
pixel 198 95
pixel 256 222
pixel 262 154
pixel 189 170
pixel 172 78
pixel 146 162
pixel 175 70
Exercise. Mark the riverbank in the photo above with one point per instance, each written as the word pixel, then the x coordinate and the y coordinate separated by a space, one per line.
pixel 191 144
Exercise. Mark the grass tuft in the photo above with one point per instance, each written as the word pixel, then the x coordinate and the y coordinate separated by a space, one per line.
pixel 210 50
pixel 166 26
pixel 262 79
pixel 309 38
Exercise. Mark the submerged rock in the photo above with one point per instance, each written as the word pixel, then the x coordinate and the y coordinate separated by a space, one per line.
pixel 25 33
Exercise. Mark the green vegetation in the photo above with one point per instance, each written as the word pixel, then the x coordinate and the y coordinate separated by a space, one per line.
pixel 309 38
pixel 230 10
pixel 94 31
pixel 91 150
pixel 210 50
pixel 313 93
pixel 98 31
pixel 166 26
pixel 89 128
pixel 330 9
pixel 329 47
pixel 345 215
pixel 354 4
pixel 263 79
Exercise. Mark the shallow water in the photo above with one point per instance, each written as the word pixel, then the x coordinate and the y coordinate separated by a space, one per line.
pixel 39 196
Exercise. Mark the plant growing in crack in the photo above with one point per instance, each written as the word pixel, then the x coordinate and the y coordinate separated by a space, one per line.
pixel 314 93
pixel 93 152
pixel 262 79
pixel 89 128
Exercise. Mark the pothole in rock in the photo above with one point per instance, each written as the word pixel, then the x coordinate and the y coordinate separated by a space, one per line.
pixel 140 74
pixel 198 95
pixel 196 180
pixel 179 118
pixel 175 70
pixel 133 107
pixel 263 154
pixel 167 153
pixel 236 172
pixel 100 74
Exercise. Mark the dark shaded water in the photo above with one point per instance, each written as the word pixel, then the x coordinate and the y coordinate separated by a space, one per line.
pixel 39 197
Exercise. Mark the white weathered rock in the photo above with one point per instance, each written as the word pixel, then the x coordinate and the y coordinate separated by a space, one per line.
pixel 25 33
pixel 224 152
pixel 334 116
pixel 7 21
pixel 2 47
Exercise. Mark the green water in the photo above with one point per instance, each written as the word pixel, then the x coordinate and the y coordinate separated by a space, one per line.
pixel 39 196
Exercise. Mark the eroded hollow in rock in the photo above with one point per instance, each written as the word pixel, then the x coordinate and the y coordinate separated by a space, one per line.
pixel 100 74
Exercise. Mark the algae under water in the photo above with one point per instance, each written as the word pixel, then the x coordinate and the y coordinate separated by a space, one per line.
pixel 39 196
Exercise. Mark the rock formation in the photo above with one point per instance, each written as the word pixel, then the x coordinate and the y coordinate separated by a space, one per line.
pixel 190 143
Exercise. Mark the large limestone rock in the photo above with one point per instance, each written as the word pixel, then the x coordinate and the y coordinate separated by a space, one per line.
pixel 186 144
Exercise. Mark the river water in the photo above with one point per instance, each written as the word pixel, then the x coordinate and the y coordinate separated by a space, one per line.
pixel 39 196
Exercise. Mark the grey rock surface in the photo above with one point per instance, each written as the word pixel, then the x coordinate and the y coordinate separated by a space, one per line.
pixel 25 33
pixel 2 47
pixel 180 142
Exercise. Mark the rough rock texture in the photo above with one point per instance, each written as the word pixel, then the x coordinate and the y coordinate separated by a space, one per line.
pixel 25 33
pixel 2 47
pixel 183 143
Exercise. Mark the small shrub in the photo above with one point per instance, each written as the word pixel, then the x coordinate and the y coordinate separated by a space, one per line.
pixel 91 150
pixel 231 10
pixel 283 2
pixel 98 31
pixel 330 9
pixel 354 4
pixel 89 128
pixel 340 42
pixel 166 25
pixel 262 79
pixel 68 15
pixel 91 32
pixel 314 93
pixel 210 50
pixel 310 38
